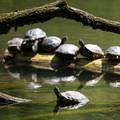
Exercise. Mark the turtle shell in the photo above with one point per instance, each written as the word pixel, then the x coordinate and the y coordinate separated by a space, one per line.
pixel 50 44
pixel 74 96
pixel 68 51
pixel 15 42
pixel 35 33
pixel 94 48
pixel 113 53
pixel 91 51
pixel 114 50
pixel 52 41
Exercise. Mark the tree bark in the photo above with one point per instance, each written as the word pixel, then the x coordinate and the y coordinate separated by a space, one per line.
pixel 59 8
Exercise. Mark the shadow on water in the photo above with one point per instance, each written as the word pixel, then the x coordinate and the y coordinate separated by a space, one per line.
pixel 88 78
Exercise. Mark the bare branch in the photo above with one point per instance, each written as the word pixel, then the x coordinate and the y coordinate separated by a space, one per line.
pixel 59 8
pixel 8 99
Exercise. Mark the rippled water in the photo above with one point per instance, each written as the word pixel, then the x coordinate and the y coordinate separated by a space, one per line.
pixel 37 84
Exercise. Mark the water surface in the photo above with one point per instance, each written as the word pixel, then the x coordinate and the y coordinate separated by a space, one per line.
pixel 37 84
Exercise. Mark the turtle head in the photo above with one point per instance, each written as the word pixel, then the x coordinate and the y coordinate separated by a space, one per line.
pixel 57 92
pixel 81 43
pixel 64 39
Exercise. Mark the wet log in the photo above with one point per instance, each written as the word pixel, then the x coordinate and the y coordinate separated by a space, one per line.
pixel 103 66
pixel 6 99
pixel 60 8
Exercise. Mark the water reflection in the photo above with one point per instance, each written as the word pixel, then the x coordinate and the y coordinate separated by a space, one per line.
pixel 88 78
pixel 112 79
pixel 37 77
pixel 68 107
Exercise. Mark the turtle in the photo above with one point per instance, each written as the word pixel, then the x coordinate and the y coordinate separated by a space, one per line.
pixel 51 43
pixel 15 44
pixel 35 34
pixel 70 97
pixel 14 47
pixel 91 51
pixel 67 51
pixel 33 39
pixel 113 53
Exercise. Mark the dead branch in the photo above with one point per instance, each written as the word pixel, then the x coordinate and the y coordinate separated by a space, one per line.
pixel 6 99
pixel 60 8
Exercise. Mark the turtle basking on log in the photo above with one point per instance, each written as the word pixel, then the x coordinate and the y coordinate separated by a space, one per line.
pixel 35 34
pixel 14 47
pixel 67 51
pixel 51 43
pixel 33 38
pixel 15 43
pixel 90 51
pixel 113 53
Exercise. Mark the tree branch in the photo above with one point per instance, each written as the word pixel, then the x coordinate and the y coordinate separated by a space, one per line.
pixel 59 8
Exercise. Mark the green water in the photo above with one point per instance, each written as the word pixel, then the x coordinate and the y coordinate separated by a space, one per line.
pixel 104 97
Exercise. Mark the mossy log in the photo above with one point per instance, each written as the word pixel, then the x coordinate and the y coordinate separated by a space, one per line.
pixel 60 8
pixel 6 99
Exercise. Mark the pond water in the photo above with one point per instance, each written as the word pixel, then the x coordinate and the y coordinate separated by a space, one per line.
pixel 103 90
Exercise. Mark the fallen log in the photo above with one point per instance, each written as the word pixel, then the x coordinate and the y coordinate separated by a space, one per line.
pixel 6 99
pixel 60 8
pixel 52 62
pixel 97 66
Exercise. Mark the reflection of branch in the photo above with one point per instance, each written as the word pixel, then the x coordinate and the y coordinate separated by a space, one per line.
pixel 55 9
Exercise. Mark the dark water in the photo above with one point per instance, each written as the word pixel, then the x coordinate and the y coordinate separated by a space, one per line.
pixel 37 84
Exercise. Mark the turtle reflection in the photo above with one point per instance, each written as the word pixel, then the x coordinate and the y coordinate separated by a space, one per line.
pixel 68 107
pixel 36 77
pixel 88 78
pixel 112 79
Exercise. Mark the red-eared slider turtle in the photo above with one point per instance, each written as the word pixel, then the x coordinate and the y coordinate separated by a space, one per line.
pixel 70 97
pixel 33 38
pixel 113 53
pixel 90 51
pixel 67 51
pixel 51 43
